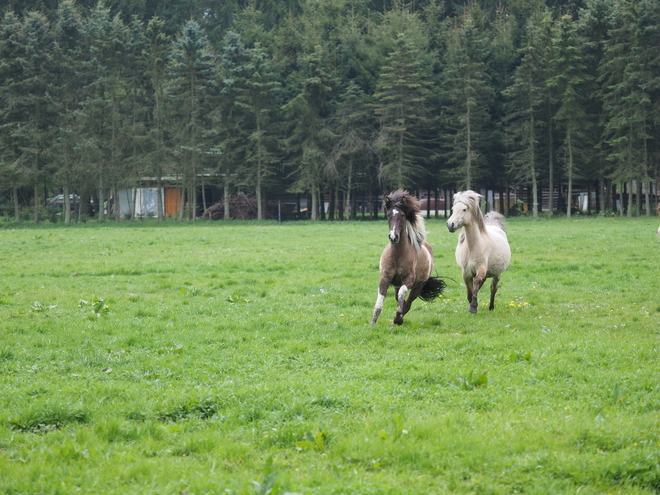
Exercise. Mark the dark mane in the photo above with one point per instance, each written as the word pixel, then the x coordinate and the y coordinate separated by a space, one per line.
pixel 409 205
pixel 406 202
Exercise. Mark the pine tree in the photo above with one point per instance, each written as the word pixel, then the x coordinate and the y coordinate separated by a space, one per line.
pixel 402 97
pixel 37 109
pixel 13 166
pixel 257 97
pixel 134 134
pixel 227 115
pixel 354 150
pixel 156 54
pixel 594 25
pixel 526 98
pixel 311 136
pixel 626 104
pixel 570 80
pixel 467 93
pixel 191 66
pixel 104 102
pixel 68 39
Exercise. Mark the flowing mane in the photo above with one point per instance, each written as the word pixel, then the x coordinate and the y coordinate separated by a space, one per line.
pixel 471 199
pixel 483 248
pixel 409 205
pixel 407 261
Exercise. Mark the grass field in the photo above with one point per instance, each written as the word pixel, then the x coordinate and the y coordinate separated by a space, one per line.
pixel 237 358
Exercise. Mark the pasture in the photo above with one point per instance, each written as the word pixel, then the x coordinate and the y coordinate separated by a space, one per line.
pixel 238 358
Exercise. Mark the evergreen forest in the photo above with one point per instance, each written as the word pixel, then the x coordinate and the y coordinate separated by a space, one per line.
pixel 327 99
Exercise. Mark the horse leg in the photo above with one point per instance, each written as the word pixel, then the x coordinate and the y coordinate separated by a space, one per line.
pixel 478 282
pixel 468 285
pixel 493 291
pixel 401 300
pixel 382 292
pixel 403 305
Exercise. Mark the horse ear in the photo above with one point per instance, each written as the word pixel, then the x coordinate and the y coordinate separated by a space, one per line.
pixel 388 201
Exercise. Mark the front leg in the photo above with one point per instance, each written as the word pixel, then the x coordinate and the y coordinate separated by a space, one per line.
pixel 382 292
pixel 401 301
pixel 468 285
pixel 478 282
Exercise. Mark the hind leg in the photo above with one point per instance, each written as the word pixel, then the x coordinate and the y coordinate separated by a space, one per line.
pixel 493 291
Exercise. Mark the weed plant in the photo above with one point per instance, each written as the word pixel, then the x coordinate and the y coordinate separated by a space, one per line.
pixel 238 358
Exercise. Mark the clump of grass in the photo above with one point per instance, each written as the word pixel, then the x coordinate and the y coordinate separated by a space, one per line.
pixel 202 408
pixel 471 381
pixel 47 417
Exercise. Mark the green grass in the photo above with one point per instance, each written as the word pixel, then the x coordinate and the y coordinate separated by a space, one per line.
pixel 237 358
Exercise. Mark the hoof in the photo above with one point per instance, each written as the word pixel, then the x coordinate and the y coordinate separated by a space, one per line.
pixel 472 309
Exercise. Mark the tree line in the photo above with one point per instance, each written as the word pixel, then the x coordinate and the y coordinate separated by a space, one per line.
pixel 329 99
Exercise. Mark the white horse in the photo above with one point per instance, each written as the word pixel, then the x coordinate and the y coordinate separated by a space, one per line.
pixel 483 248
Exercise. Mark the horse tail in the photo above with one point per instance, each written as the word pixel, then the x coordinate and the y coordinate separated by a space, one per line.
pixel 432 289
pixel 494 218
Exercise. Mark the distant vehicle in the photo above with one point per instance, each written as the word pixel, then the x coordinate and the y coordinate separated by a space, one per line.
pixel 58 201
pixel 435 204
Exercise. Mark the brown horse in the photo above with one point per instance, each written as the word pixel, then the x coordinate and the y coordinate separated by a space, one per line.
pixel 407 261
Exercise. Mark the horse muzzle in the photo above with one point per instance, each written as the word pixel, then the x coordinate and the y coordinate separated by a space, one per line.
pixel 394 239
pixel 452 227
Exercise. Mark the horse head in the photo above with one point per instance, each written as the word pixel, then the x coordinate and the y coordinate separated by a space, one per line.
pixel 401 208
pixel 397 223
pixel 465 210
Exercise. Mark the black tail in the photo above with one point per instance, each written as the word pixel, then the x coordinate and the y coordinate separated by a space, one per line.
pixel 432 289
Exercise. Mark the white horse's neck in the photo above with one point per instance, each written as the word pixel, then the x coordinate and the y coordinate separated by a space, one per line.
pixel 475 233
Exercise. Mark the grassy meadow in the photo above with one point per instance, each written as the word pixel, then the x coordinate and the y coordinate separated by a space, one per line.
pixel 237 358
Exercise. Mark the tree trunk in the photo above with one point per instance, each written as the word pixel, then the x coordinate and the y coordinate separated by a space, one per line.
pixel 551 167
pixel 37 196
pixel 260 210
pixel 193 197
pixel 133 202
pixel 349 189
pixel 569 197
pixel 182 206
pixel 315 202
pixel 67 204
pixel 159 199
pixel 226 199
pixel 468 157
pixel 101 199
pixel 204 206
pixel 116 204
pixel 17 206
pixel 535 190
